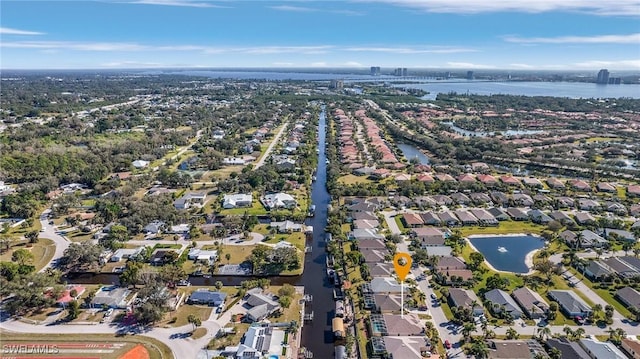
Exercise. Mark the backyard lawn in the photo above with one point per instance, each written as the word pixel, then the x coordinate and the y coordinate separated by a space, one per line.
pixel 42 252
pixel 505 227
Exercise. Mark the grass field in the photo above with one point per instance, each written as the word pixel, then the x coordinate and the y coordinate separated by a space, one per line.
pixel 42 252
pixel 505 227
pixel 178 317
pixel 353 179
pixel 238 254
pixel 157 350
pixel 256 209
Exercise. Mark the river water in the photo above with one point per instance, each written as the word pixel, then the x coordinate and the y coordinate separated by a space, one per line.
pixel 317 335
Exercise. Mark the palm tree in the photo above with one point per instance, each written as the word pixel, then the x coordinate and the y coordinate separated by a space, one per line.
pixel 555 353
pixel 568 331
pixel 512 334
pixel 578 333
pixel 467 328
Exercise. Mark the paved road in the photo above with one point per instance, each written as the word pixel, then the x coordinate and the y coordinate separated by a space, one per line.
pixel 49 232
pixel 271 146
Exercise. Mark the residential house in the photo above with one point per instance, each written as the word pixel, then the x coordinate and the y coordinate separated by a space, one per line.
pixel 619 234
pixel 429 236
pixel 201 255
pixel 388 303
pixel 537 216
pixel 140 164
pixel 125 253
pixel 480 198
pixel 598 271
pixel 633 190
pixel 601 350
pixel 485 218
pixel 580 185
pixel 498 214
pixel 406 347
pixel 565 202
pixel 230 201
pixel 412 220
pixel 517 214
pixel 615 207
pixel 454 277
pixel 555 183
pixel 631 347
pixel 605 187
pixel 522 199
pixel 510 180
pixel 366 224
pixel 449 218
pixel 584 218
pixel 384 285
pixel 278 200
pixel 501 301
pixel 568 349
pixel 587 204
pixel 624 267
pixel 260 341
pixel 431 219
pixel 562 217
pixel 629 297
pixel 531 302
pixel 112 297
pixel 448 263
pixel 488 180
pixel 261 305
pixel 499 198
pixel 190 199
pixel 439 251
pixel 375 255
pixel 70 293
pixel 359 234
pixel 465 298
pixel 532 182
pixel 570 303
pixel 204 296
pixel 466 217
pixel 509 349
pixel 154 228
pixel 407 325
pixel 460 198
pixel 381 269
pixel 371 244
pixel 287 227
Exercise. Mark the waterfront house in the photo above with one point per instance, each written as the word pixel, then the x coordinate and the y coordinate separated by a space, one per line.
pixel 498 214
pixel 204 296
pixel 597 349
pixel 262 305
pixel 537 216
pixel 517 214
pixel 278 200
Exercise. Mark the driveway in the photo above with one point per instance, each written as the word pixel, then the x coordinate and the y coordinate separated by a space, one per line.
pixel 49 232
pixel 271 146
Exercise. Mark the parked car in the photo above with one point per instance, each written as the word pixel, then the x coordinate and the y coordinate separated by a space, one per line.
pixel 579 320
pixel 433 296
pixel 109 312
pixel 447 344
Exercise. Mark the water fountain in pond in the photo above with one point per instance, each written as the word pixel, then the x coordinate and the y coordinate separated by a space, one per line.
pixel 502 249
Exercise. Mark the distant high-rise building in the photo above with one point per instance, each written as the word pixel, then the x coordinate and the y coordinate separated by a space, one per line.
pixel 404 71
pixel 336 84
pixel 469 75
pixel 615 80
pixel 447 75
pixel 603 77
pixel 375 70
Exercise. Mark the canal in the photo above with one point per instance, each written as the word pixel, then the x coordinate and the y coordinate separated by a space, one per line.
pixel 316 334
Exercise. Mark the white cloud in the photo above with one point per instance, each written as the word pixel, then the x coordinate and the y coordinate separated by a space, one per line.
pixel 353 64
pixel 468 65
pixel 293 8
pixel 598 39
pixel 183 3
pixel 410 50
pixel 134 47
pixel 597 64
pixel 521 66
pixel 10 31
pixel 319 64
pixel 597 7
pixel 283 64
pixel 132 64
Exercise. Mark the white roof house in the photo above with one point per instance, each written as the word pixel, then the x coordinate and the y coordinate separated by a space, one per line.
pixel 278 200
pixel 140 163
pixel 237 200
pixel 200 254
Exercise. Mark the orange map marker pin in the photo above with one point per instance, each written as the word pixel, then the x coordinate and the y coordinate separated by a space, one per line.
pixel 402 264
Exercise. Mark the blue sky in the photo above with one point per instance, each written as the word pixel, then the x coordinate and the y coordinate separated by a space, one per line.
pixel 456 34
